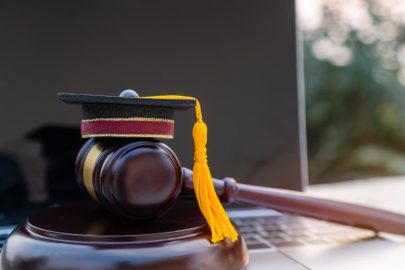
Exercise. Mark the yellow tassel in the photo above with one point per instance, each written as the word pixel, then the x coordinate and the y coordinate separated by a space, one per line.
pixel 210 206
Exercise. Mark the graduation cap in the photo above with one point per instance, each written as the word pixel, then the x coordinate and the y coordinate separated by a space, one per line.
pixel 129 115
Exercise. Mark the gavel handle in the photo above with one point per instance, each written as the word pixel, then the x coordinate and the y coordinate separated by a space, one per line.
pixel 299 203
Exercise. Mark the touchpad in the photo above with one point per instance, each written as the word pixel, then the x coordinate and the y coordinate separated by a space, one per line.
pixel 264 260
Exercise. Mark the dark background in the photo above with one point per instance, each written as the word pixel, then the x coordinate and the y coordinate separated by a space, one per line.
pixel 237 57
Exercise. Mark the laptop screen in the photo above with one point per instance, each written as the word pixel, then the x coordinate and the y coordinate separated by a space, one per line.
pixel 238 59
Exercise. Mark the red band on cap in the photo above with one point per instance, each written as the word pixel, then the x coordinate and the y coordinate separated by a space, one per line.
pixel 127 128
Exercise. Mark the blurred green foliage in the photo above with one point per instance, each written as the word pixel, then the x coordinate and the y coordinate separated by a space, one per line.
pixel 355 97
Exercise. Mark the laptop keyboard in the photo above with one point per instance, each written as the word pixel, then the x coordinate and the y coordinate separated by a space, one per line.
pixel 286 230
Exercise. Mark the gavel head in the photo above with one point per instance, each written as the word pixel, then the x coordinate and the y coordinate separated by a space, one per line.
pixel 138 179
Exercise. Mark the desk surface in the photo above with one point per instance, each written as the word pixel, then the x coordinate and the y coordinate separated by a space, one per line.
pixel 383 192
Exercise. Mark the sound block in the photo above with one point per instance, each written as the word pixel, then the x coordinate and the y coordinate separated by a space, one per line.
pixel 82 235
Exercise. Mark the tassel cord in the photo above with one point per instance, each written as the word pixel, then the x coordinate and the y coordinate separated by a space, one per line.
pixel 208 201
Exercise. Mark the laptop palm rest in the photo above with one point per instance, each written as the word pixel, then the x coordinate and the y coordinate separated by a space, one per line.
pixel 376 253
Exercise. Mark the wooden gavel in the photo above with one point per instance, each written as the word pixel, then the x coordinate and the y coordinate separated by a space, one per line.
pixel 141 179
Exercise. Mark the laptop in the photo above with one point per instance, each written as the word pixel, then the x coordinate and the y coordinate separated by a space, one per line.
pixel 243 61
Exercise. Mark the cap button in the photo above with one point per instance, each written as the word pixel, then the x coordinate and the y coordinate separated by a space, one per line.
pixel 129 93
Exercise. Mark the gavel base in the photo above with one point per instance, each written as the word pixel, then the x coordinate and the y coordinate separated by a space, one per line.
pixel 81 235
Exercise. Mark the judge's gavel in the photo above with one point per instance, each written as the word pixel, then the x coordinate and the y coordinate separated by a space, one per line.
pixel 141 179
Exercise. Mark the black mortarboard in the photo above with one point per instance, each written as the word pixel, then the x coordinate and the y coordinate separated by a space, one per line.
pixel 127 115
